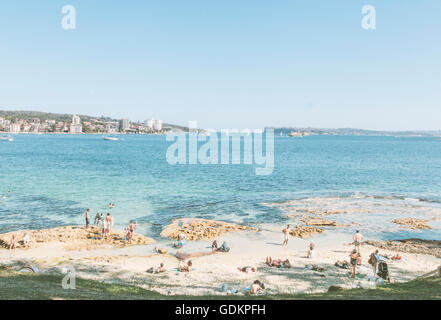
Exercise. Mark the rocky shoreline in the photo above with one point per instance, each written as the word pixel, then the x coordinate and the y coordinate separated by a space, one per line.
pixel 201 229
pixel 73 236
pixel 430 247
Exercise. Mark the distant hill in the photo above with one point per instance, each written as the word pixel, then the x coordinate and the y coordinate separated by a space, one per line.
pixel 358 132
pixel 12 115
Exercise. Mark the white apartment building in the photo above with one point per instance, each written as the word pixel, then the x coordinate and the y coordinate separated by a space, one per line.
pixel 76 127
pixel 153 124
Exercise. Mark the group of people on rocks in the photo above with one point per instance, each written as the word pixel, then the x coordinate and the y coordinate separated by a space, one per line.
pixel 107 223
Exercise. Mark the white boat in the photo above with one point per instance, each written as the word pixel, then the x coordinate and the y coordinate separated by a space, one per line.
pixel 111 138
pixel 7 138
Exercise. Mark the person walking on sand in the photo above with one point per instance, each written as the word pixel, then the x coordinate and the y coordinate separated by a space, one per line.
pixel 285 235
pixel 87 218
pixel 358 238
pixel 354 260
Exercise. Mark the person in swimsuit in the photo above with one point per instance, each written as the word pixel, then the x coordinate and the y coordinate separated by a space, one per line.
pixel 358 238
pixel 159 269
pixel 131 229
pixel 354 260
pixel 185 267
pixel 247 269
pixel 285 235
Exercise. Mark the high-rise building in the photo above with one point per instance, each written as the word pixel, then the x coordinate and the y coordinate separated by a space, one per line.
pixel 157 125
pixel 149 124
pixel 124 124
pixel 76 127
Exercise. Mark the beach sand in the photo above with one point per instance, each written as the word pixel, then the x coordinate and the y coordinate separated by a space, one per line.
pixel 128 265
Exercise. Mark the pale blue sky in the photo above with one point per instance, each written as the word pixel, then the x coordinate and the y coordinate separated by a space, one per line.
pixel 227 63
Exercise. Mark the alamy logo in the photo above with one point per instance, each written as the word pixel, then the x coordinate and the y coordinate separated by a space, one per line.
pixel 216 148
pixel 69 20
pixel 68 281
pixel 368 22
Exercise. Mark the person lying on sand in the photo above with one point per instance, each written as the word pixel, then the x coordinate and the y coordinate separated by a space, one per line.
pixel 342 264
pixel 314 268
pixel 256 288
pixel 223 248
pixel 185 266
pixel 278 263
pixel 157 269
pixel 247 269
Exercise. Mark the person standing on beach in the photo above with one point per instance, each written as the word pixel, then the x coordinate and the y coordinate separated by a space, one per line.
pixel 354 260
pixel 373 261
pixel 358 238
pixel 285 235
pixel 87 218
pixel 131 229
pixel 97 219
pixel 109 222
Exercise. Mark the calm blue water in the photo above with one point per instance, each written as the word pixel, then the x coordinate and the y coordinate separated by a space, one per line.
pixel 53 178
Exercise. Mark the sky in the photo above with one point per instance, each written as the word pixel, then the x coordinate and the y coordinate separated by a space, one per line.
pixel 227 63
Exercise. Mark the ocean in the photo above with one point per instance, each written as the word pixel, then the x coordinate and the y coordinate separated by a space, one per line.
pixel 50 180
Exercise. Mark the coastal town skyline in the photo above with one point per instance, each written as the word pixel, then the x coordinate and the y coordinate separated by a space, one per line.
pixel 217 63
pixel 51 123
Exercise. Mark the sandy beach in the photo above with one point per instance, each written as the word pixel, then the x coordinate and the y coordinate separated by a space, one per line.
pixel 128 265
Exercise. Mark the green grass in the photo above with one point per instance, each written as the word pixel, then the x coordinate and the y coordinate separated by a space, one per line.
pixel 15 285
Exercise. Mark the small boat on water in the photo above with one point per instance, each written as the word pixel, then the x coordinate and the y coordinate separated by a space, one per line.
pixel 6 138
pixel 111 138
